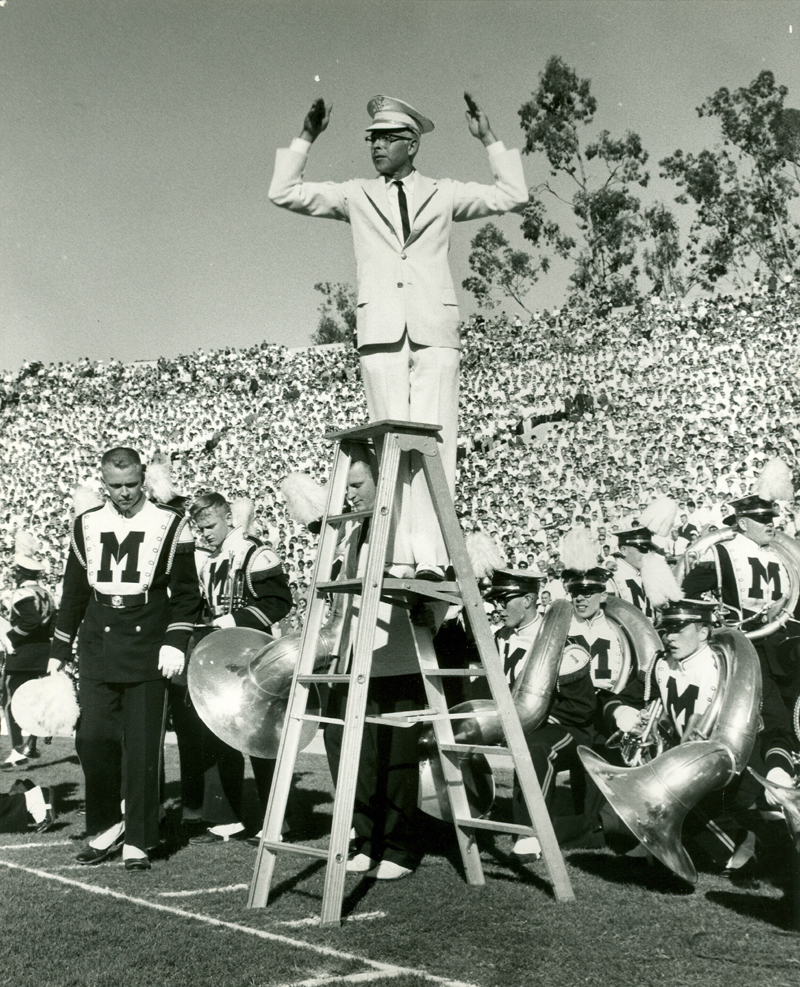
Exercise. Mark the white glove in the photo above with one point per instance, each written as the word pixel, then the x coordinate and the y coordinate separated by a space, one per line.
pixel 778 776
pixel 5 644
pixel 170 661
pixel 626 718
pixel 226 620
pixel 54 665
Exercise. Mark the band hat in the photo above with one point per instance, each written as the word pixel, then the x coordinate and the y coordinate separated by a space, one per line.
pixel 389 113
pixel 635 536
pixel 514 582
pixel 594 580
pixel 751 506
pixel 689 611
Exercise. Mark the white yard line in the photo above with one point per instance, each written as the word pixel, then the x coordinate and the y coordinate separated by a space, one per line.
pixel 35 846
pixel 190 894
pixel 314 920
pixel 382 969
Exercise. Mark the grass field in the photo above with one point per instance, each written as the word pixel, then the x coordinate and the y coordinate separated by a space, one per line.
pixel 185 922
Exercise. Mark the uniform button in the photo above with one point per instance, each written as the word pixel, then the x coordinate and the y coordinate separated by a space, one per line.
pixel 399 284
pixel 107 629
pixel 138 630
pixel 403 256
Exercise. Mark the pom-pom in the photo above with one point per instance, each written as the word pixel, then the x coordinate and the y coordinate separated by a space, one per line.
pixel 775 481
pixel 243 512
pixel 659 581
pixel 158 482
pixel 305 498
pixel 659 517
pixel 84 498
pixel 484 554
pixel 579 550
pixel 46 707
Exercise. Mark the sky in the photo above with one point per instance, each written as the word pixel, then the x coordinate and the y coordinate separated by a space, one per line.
pixel 137 139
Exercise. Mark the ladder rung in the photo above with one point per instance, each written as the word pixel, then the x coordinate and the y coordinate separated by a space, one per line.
pixel 310 717
pixel 338 586
pixel 412 716
pixel 322 677
pixel 349 516
pixel 497 827
pixel 306 851
pixel 435 673
pixel 474 749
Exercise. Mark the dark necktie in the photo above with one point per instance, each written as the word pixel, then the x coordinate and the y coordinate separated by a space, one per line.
pixel 401 198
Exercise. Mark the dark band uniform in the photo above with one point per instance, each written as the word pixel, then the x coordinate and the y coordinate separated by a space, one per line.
pixel 748 578
pixel 720 821
pixel 32 616
pixel 626 582
pixel 243 585
pixel 130 587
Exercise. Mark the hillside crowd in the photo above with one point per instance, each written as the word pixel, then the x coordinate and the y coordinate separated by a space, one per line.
pixel 560 421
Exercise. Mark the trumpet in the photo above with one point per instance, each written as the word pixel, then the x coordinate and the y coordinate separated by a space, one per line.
pixel 641 745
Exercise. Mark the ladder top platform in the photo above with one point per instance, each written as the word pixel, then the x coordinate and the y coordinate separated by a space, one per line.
pixel 382 428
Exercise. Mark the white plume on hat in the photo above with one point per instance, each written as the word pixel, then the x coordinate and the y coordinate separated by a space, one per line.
pixel 158 482
pixel 84 498
pixel 659 581
pixel 579 550
pixel 46 707
pixel 305 498
pixel 659 516
pixel 243 512
pixel 26 546
pixel 775 481
pixel 484 554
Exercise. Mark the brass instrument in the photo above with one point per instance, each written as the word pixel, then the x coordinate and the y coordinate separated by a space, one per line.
pixel 774 615
pixel 789 800
pixel 637 747
pixel 232 596
pixel 654 798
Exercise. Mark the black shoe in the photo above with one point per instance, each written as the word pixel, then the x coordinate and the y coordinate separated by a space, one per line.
pixel 50 812
pixel 210 839
pixel 90 856
pixel 430 573
pixel 137 863
pixel 29 750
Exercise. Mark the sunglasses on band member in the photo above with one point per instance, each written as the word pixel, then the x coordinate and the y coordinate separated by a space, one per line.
pixel 387 138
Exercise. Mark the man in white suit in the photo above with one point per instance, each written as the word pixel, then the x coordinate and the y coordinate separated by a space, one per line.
pixel 407 316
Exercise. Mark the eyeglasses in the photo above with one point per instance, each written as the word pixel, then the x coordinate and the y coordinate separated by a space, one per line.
pixel 385 139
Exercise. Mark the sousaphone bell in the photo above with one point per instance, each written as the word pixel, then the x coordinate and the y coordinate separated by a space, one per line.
pixel 239 681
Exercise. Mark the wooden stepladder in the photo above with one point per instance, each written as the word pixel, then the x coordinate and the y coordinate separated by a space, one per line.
pixel 391 439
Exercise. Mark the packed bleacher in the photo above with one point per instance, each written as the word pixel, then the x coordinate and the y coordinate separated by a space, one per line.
pixel 561 420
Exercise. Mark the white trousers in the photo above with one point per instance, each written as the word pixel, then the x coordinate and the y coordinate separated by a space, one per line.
pixel 408 382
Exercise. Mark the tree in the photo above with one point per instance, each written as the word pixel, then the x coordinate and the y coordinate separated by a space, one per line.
pixel 497 267
pixel 337 314
pixel 594 180
pixel 743 190
pixel 663 255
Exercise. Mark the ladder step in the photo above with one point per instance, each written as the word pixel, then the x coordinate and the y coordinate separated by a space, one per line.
pixel 464 673
pixel 306 851
pixel 497 827
pixel 311 718
pixel 446 592
pixel 410 717
pixel 349 516
pixel 475 749
pixel 329 677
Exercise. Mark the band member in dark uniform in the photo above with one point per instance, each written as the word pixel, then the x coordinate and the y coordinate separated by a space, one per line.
pixel 32 616
pixel 747 575
pixel 243 585
pixel 131 588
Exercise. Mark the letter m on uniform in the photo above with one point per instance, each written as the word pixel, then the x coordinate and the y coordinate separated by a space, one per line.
pixel 761 575
pixel 127 551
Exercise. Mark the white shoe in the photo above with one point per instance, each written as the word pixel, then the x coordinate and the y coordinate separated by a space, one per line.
pixel 527 849
pixel 360 864
pixel 14 759
pixel 387 870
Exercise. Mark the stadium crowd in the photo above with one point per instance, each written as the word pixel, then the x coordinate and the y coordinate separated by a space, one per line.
pixel 561 421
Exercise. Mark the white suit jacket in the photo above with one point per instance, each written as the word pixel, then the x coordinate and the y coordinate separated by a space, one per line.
pixel 402 285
